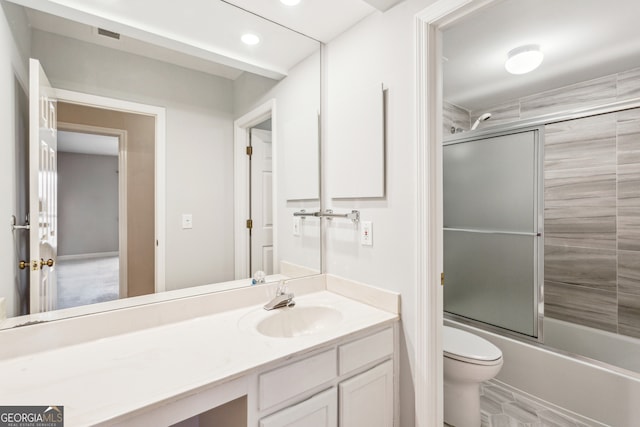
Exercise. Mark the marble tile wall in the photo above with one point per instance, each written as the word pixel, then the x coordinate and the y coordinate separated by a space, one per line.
pixel 628 178
pixel 615 87
pixel 456 118
pixel 592 221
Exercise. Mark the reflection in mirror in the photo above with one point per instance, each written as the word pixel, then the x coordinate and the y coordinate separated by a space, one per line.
pixel 154 192
pixel 590 302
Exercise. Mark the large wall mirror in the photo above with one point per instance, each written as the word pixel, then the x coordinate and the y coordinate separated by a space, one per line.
pixel 584 100
pixel 149 187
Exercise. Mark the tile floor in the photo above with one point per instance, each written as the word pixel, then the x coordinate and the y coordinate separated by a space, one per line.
pixel 500 407
pixel 87 281
pixel 503 408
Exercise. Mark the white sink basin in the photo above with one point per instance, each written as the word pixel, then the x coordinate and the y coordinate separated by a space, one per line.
pixel 295 321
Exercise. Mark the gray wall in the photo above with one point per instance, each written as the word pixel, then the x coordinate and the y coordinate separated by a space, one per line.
pixel 88 204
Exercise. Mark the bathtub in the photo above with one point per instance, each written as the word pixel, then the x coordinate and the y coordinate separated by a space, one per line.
pixel 614 349
pixel 608 396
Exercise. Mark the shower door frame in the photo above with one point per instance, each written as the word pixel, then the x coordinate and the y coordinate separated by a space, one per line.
pixel 538 224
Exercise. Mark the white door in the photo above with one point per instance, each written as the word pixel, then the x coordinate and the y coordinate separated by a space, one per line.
pixel 367 399
pixel 42 190
pixel 261 201
pixel 319 411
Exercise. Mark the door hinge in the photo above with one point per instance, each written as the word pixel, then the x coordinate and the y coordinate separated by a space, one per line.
pixel 441 279
pixel 249 151
pixel 249 224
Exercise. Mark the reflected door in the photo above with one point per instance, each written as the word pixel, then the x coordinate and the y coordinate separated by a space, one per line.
pixel 261 201
pixel 42 190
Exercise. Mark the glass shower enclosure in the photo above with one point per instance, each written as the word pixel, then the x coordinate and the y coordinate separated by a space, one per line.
pixel 492 229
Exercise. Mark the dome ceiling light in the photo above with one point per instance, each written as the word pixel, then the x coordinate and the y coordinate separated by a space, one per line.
pixel 524 59
pixel 250 39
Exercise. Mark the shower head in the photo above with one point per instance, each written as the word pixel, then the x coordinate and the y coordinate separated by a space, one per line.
pixel 482 118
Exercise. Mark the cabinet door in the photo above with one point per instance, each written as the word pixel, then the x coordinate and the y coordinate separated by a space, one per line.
pixel 319 411
pixel 367 399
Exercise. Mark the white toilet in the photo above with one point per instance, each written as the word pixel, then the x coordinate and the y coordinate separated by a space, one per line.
pixel 468 361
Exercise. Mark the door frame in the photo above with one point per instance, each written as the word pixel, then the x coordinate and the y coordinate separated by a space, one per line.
pixel 241 129
pixel 428 79
pixel 121 134
pixel 159 113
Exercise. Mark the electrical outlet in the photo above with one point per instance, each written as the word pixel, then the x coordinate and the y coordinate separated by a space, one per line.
pixel 187 221
pixel 366 233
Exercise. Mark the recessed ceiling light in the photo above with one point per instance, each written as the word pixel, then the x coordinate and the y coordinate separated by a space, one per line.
pixel 524 59
pixel 290 2
pixel 250 39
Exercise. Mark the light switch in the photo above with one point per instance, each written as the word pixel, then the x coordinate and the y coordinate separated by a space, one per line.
pixel 296 225
pixel 366 233
pixel 187 221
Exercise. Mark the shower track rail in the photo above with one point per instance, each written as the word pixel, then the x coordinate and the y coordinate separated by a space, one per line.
pixel 510 233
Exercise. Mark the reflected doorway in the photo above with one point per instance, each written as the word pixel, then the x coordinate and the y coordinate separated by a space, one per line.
pixel 89 187
pixel 107 204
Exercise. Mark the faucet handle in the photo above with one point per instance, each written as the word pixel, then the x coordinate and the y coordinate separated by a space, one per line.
pixel 282 288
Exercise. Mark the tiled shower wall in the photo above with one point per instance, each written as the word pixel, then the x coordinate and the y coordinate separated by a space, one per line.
pixel 592 221
pixel 592 201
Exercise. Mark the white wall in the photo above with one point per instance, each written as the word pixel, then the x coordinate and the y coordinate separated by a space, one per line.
pixel 14 53
pixel 199 150
pixel 87 204
pixel 380 49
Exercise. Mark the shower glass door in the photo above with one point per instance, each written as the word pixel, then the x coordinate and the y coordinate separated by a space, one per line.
pixel 492 207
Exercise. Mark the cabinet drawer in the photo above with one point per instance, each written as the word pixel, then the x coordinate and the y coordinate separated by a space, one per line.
pixel 291 380
pixel 365 350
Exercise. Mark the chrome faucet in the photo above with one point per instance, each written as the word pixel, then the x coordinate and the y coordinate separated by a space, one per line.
pixel 283 298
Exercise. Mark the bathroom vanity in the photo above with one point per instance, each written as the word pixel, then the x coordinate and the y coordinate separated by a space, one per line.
pixel 329 360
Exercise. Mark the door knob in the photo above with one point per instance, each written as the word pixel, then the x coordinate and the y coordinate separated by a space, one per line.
pixel 48 263
pixel 34 264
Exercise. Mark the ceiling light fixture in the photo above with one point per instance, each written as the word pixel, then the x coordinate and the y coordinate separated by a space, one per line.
pixel 250 39
pixel 290 2
pixel 524 59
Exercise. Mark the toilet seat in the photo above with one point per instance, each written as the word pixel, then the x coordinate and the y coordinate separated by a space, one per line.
pixel 469 348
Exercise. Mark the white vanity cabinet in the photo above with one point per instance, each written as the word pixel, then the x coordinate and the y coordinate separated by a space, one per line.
pixel 344 374
pixel 367 399
pixel 319 411
pixel 349 385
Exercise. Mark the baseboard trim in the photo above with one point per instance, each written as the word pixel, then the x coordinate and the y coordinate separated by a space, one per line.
pixel 87 256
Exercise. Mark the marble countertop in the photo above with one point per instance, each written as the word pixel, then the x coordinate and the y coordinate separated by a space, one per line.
pixel 104 379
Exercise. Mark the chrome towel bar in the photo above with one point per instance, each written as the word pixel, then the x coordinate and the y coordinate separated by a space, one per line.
pixel 354 215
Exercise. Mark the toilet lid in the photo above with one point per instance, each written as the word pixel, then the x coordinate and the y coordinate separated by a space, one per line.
pixel 465 346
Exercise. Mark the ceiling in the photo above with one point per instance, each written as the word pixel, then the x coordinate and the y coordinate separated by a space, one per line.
pixel 322 20
pixel 205 34
pixel 581 40
pixel 87 143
